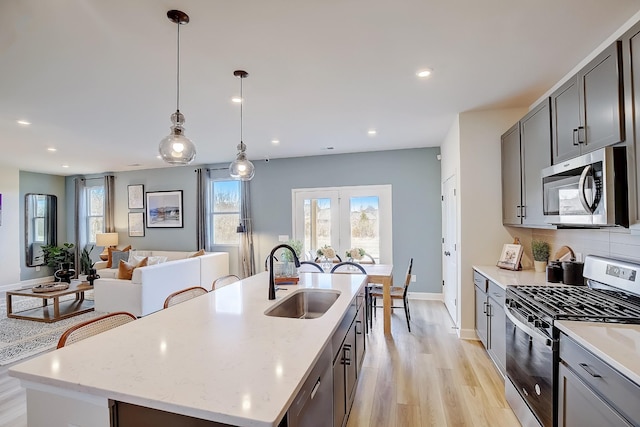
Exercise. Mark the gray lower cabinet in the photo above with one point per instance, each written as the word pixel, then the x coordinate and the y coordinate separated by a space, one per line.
pixel 491 319
pixel 349 348
pixel 587 111
pixel 592 393
pixel 526 150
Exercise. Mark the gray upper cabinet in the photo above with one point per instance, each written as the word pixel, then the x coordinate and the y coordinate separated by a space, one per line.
pixel 587 111
pixel 631 66
pixel 511 177
pixel 526 150
pixel 535 141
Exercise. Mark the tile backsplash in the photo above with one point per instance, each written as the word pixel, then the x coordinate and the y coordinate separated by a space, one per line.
pixel 611 243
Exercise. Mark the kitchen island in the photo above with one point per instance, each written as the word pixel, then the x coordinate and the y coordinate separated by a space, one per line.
pixel 217 357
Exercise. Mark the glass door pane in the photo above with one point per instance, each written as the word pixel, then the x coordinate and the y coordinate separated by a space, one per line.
pixel 364 214
pixel 317 223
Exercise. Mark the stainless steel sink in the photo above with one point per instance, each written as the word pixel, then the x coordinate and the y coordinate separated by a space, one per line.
pixel 304 304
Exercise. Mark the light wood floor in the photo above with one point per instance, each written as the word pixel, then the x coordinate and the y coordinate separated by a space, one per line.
pixel 427 377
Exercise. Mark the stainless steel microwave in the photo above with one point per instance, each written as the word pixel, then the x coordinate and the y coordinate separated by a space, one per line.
pixel 587 191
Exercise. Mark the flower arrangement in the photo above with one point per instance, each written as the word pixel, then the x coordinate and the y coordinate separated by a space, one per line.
pixel 355 253
pixel 326 251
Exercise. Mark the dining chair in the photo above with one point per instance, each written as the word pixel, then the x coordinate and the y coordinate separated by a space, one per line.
pixel 184 295
pixel 367 259
pixel 367 296
pixel 309 267
pixel 224 281
pixel 334 260
pixel 397 293
pixel 94 327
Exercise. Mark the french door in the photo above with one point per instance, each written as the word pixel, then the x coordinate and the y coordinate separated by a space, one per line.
pixel 345 218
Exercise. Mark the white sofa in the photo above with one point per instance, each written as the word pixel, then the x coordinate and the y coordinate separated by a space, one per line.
pixel 151 285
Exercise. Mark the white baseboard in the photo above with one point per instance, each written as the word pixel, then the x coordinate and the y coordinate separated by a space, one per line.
pixel 467 334
pixel 26 283
pixel 429 296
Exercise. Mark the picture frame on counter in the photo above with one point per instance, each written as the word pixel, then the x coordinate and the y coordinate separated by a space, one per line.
pixel 164 209
pixel 510 257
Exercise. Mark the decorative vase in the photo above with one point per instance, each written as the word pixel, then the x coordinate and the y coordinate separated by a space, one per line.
pixel 92 276
pixel 65 273
pixel 325 263
pixel 540 266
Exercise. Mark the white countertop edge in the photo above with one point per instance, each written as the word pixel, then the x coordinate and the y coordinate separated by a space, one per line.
pixel 504 278
pixel 612 355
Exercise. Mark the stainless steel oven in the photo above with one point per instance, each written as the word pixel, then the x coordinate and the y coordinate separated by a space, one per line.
pixel 612 295
pixel 588 191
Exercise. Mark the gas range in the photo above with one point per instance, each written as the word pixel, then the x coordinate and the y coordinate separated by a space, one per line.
pixel 612 294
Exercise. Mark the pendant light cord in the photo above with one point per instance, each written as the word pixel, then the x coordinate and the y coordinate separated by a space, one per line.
pixel 241 105
pixel 178 73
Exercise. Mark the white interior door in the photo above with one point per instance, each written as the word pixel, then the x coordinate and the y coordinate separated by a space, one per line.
pixel 449 246
pixel 345 218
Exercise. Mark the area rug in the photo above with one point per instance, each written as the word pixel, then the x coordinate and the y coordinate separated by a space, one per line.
pixel 20 339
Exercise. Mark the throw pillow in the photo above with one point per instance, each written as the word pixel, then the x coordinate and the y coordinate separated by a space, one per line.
pixel 125 270
pixel 199 253
pixel 110 263
pixel 152 260
pixel 116 256
pixel 137 253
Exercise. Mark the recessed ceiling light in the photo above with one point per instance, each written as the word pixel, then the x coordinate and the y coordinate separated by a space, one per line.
pixel 52 149
pixel 275 141
pixel 24 122
pixel 329 148
pixel 65 166
pixel 424 73
pixel 158 157
pixel 236 99
pixel 372 132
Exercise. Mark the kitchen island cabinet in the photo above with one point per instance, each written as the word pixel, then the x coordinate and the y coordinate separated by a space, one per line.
pixel 587 111
pixel 216 358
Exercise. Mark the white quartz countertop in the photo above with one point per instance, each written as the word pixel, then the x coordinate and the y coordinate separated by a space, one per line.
pixel 217 357
pixel 616 344
pixel 504 278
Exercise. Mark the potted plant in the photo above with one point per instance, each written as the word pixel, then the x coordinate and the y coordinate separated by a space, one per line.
pixel 56 256
pixel 86 263
pixel 288 269
pixel 540 250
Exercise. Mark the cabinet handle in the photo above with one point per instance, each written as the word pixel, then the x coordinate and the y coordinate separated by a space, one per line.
pixel 523 211
pixel 518 211
pixel 575 137
pixel 484 308
pixel 346 355
pixel 358 323
pixel 315 388
pixel 590 371
pixel 581 135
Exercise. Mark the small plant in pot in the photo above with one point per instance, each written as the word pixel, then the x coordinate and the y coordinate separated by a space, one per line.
pixel 86 263
pixel 540 250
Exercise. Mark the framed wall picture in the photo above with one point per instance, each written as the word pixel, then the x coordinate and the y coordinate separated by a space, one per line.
pixel 136 196
pixel 136 224
pixel 164 209
pixel 510 257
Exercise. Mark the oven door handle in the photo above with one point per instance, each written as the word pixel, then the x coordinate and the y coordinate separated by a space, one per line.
pixel 535 335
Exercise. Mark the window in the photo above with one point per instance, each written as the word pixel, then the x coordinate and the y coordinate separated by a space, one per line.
pixel 345 218
pixel 225 212
pixel 94 196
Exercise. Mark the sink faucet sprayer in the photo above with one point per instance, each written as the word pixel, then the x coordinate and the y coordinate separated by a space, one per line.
pixel 272 281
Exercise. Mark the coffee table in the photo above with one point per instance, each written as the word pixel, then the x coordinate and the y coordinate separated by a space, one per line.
pixel 52 313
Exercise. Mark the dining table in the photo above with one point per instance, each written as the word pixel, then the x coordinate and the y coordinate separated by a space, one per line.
pixel 381 274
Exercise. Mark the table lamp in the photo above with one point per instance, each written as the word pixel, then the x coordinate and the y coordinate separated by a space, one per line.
pixel 108 240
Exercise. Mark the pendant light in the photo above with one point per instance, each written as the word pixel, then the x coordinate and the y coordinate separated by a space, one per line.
pixel 241 168
pixel 176 148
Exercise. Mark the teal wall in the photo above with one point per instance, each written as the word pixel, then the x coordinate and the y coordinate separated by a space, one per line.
pixel 413 174
pixel 42 184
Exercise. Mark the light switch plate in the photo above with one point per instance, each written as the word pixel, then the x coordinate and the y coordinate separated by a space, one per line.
pixel 283 238
pixel 413 278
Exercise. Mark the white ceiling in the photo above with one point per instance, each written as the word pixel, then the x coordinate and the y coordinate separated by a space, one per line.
pixel 97 78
